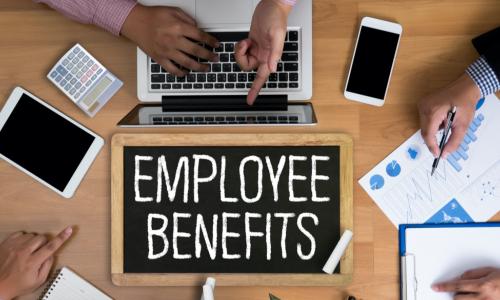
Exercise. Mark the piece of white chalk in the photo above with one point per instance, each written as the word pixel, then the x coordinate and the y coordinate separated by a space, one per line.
pixel 338 252
pixel 208 292
pixel 210 282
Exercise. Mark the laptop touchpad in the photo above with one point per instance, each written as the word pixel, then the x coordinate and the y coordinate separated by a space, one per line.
pixel 224 12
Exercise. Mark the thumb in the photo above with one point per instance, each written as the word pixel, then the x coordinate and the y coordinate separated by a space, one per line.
pixel 277 43
pixel 456 137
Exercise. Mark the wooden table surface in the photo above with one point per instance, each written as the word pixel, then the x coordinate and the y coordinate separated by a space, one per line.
pixel 435 49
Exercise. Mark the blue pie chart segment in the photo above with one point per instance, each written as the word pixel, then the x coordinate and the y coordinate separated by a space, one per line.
pixel 376 182
pixel 393 169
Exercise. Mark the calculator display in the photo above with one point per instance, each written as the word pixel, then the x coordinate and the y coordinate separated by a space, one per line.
pixel 43 142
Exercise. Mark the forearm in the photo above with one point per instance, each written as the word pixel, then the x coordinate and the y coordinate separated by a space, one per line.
pixel 108 14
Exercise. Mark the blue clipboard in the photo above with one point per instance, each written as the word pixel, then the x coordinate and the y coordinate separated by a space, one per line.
pixel 405 293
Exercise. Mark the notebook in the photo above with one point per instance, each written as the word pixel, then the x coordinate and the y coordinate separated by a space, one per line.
pixel 68 285
pixel 432 253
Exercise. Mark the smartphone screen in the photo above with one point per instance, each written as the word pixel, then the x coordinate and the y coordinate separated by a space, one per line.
pixel 372 63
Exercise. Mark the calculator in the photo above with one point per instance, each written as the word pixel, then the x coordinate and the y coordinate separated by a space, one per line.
pixel 84 80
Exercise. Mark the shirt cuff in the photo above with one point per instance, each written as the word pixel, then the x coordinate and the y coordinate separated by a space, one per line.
pixel 484 76
pixel 289 2
pixel 111 14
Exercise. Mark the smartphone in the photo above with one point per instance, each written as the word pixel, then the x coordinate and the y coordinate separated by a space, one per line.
pixel 373 61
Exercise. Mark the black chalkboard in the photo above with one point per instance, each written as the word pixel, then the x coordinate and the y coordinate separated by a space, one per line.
pixel 144 245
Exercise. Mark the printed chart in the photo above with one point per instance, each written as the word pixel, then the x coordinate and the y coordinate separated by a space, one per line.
pixel 402 185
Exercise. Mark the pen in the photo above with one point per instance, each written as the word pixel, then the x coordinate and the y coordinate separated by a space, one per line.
pixel 446 132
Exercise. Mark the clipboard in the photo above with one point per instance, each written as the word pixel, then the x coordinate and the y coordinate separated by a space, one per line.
pixel 408 261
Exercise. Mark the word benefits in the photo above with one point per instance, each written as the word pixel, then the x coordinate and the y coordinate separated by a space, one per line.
pixel 247 193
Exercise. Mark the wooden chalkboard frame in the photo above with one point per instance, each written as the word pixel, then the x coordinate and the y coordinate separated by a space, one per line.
pixel 119 141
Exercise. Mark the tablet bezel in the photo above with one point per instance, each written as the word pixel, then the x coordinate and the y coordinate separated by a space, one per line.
pixel 85 163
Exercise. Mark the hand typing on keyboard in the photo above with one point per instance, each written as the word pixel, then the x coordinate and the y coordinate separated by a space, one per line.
pixel 170 37
pixel 264 46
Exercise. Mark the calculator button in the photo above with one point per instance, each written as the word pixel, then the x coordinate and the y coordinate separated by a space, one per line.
pixel 84 78
pixel 85 68
pixel 85 59
pixel 68 77
pixel 73 81
pixel 88 83
pixel 76 50
pixel 63 82
pixel 99 71
pixel 53 74
pixel 83 89
pixel 77 95
pixel 61 70
pixel 65 62
pixel 58 78
pixel 71 55
pixel 80 65
pixel 81 54
pixel 74 71
pixel 90 63
pixel 94 77
pixel 78 85
pixel 89 73
pixel 75 61
pixel 94 67
pixel 79 74
pixel 67 87
pixel 72 92
pixel 70 66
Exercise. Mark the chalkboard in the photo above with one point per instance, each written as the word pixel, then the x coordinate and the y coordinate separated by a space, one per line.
pixel 220 207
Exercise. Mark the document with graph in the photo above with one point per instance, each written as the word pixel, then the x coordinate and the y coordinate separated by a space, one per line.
pixel 463 188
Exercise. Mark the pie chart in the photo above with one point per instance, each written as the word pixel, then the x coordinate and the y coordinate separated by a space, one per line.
pixel 393 169
pixel 376 182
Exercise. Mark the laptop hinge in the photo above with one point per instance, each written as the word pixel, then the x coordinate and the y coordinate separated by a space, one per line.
pixel 223 103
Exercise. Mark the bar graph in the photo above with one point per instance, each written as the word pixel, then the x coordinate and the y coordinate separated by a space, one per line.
pixel 461 153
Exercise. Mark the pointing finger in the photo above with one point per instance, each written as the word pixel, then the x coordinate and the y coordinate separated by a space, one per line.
pixel 51 247
pixel 260 79
pixel 460 285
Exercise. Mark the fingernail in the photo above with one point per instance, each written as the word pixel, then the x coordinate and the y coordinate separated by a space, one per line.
pixel 215 58
pixel 275 66
pixel 68 231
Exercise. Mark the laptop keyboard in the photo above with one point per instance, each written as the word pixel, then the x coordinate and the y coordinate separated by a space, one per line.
pixel 223 119
pixel 226 75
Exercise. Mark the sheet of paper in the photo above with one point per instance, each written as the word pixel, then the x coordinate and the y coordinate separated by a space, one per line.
pixel 442 254
pixel 402 186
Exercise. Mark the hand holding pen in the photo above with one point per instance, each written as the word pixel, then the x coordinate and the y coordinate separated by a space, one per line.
pixel 446 132
pixel 434 108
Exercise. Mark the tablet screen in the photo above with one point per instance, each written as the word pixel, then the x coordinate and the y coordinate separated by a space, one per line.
pixel 43 142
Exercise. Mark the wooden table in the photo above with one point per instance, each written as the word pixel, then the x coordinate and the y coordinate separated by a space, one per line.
pixel 435 49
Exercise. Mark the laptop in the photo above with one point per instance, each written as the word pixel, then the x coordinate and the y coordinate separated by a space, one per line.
pixel 218 97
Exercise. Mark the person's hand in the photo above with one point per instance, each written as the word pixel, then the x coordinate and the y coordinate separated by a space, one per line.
pixel 462 93
pixel 264 46
pixel 25 261
pixel 478 284
pixel 170 37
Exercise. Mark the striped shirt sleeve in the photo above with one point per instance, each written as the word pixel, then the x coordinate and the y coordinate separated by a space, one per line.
pixel 484 77
pixel 108 14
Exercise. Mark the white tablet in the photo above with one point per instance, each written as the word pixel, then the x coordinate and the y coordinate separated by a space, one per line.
pixel 44 143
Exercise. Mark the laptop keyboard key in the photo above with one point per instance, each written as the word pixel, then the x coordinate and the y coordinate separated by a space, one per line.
pixel 291 47
pixel 293 85
pixel 283 76
pixel 191 78
pixel 211 78
pixel 294 76
pixel 198 86
pixel 201 78
pixel 187 86
pixel 232 77
pixel 293 36
pixel 240 85
pixel 166 86
pixel 290 56
pixel 229 47
pixel 208 86
pixel 242 77
pixel 290 67
pixel 221 77
pixel 229 85
pixel 216 68
pixel 170 78
pixel 155 68
pixel 155 86
pixel 224 57
pixel 227 68
pixel 283 85
pixel 219 86
pixel 177 86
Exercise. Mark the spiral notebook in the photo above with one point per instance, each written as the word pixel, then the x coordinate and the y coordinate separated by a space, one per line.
pixel 67 285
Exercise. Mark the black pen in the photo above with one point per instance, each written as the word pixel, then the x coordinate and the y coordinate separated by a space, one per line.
pixel 446 132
